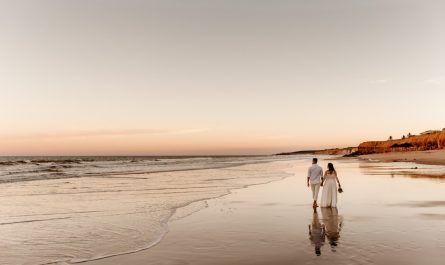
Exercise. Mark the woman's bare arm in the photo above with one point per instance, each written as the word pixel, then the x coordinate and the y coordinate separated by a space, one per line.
pixel 338 181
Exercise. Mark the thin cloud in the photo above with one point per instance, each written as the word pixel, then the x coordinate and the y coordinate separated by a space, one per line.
pixel 379 81
pixel 101 133
pixel 272 137
pixel 435 81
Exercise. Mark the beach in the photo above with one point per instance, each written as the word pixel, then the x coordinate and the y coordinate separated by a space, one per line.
pixel 255 212
pixel 432 157
pixel 382 218
pixel 185 132
pixel 59 210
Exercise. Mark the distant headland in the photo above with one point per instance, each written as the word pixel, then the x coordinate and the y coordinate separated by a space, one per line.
pixel 332 151
pixel 428 148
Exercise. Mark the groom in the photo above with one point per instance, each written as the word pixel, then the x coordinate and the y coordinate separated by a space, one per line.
pixel 314 179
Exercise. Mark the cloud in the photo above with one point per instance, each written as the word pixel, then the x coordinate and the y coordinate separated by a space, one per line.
pixel 271 137
pixel 435 81
pixel 100 133
pixel 379 81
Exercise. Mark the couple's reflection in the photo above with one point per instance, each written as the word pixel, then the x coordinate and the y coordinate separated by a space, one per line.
pixel 329 228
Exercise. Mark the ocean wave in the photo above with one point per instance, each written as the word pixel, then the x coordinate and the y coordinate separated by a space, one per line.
pixel 16 162
pixel 115 209
pixel 64 161
pixel 18 169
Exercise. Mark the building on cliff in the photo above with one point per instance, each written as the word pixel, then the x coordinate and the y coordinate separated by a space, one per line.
pixel 429 132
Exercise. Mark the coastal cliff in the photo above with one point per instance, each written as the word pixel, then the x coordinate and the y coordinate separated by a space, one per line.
pixel 431 141
pixel 337 151
pixel 331 151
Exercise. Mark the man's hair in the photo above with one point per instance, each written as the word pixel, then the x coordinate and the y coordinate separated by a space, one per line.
pixel 314 160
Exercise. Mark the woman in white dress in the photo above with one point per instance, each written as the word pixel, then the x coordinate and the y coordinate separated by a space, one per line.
pixel 329 183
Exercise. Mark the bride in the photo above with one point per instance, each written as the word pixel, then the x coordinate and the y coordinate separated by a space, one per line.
pixel 329 195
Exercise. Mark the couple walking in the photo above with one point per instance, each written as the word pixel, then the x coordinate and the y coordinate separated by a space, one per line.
pixel 328 181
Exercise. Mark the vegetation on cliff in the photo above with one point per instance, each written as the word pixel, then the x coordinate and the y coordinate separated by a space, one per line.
pixel 428 141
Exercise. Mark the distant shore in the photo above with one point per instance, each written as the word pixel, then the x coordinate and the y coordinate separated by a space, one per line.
pixel 330 151
pixel 433 157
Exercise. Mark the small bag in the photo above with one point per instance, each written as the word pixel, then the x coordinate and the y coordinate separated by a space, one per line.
pixel 340 190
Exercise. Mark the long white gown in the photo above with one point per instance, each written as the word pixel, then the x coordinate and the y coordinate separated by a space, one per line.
pixel 329 195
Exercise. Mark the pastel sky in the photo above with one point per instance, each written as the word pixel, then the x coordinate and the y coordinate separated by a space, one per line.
pixel 108 77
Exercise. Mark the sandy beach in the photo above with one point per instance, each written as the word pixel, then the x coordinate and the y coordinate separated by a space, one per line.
pixel 394 220
pixel 433 157
pixel 187 132
pixel 242 210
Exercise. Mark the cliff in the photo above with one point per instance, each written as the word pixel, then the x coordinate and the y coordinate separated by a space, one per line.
pixel 332 151
pixel 337 151
pixel 431 141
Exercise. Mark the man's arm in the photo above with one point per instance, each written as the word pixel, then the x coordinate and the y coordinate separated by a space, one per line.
pixel 322 178
pixel 308 176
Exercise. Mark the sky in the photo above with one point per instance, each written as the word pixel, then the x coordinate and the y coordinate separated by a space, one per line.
pixel 194 77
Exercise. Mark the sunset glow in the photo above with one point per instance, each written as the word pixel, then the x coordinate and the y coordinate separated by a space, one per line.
pixel 190 77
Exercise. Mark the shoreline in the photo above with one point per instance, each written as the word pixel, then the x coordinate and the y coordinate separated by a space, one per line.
pixel 268 223
pixel 432 157
pixel 114 215
pixel 177 225
pixel 171 220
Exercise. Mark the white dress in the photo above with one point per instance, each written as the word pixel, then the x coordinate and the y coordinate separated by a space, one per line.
pixel 329 195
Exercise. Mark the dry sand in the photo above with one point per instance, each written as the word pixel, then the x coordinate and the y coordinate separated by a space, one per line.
pixel 434 157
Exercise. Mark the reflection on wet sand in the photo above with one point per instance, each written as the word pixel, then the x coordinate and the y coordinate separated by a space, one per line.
pixel 405 169
pixel 333 224
pixel 421 204
pixel 316 233
pixel 329 229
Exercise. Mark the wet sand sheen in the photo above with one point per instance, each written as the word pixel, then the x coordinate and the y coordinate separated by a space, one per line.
pixel 381 219
pixel 432 157
pixel 78 219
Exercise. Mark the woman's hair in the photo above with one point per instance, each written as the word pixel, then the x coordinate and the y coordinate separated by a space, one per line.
pixel 331 167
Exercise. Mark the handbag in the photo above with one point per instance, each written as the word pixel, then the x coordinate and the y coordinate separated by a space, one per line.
pixel 340 190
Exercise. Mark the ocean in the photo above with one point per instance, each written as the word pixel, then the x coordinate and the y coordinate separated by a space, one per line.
pixel 64 210
pixel 68 210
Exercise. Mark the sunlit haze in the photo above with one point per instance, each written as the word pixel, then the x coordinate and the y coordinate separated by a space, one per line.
pixel 218 77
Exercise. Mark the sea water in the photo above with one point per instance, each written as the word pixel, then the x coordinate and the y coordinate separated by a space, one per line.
pixel 63 210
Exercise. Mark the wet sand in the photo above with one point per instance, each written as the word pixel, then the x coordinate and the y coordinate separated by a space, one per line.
pixel 382 218
pixel 434 157
pixel 66 220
